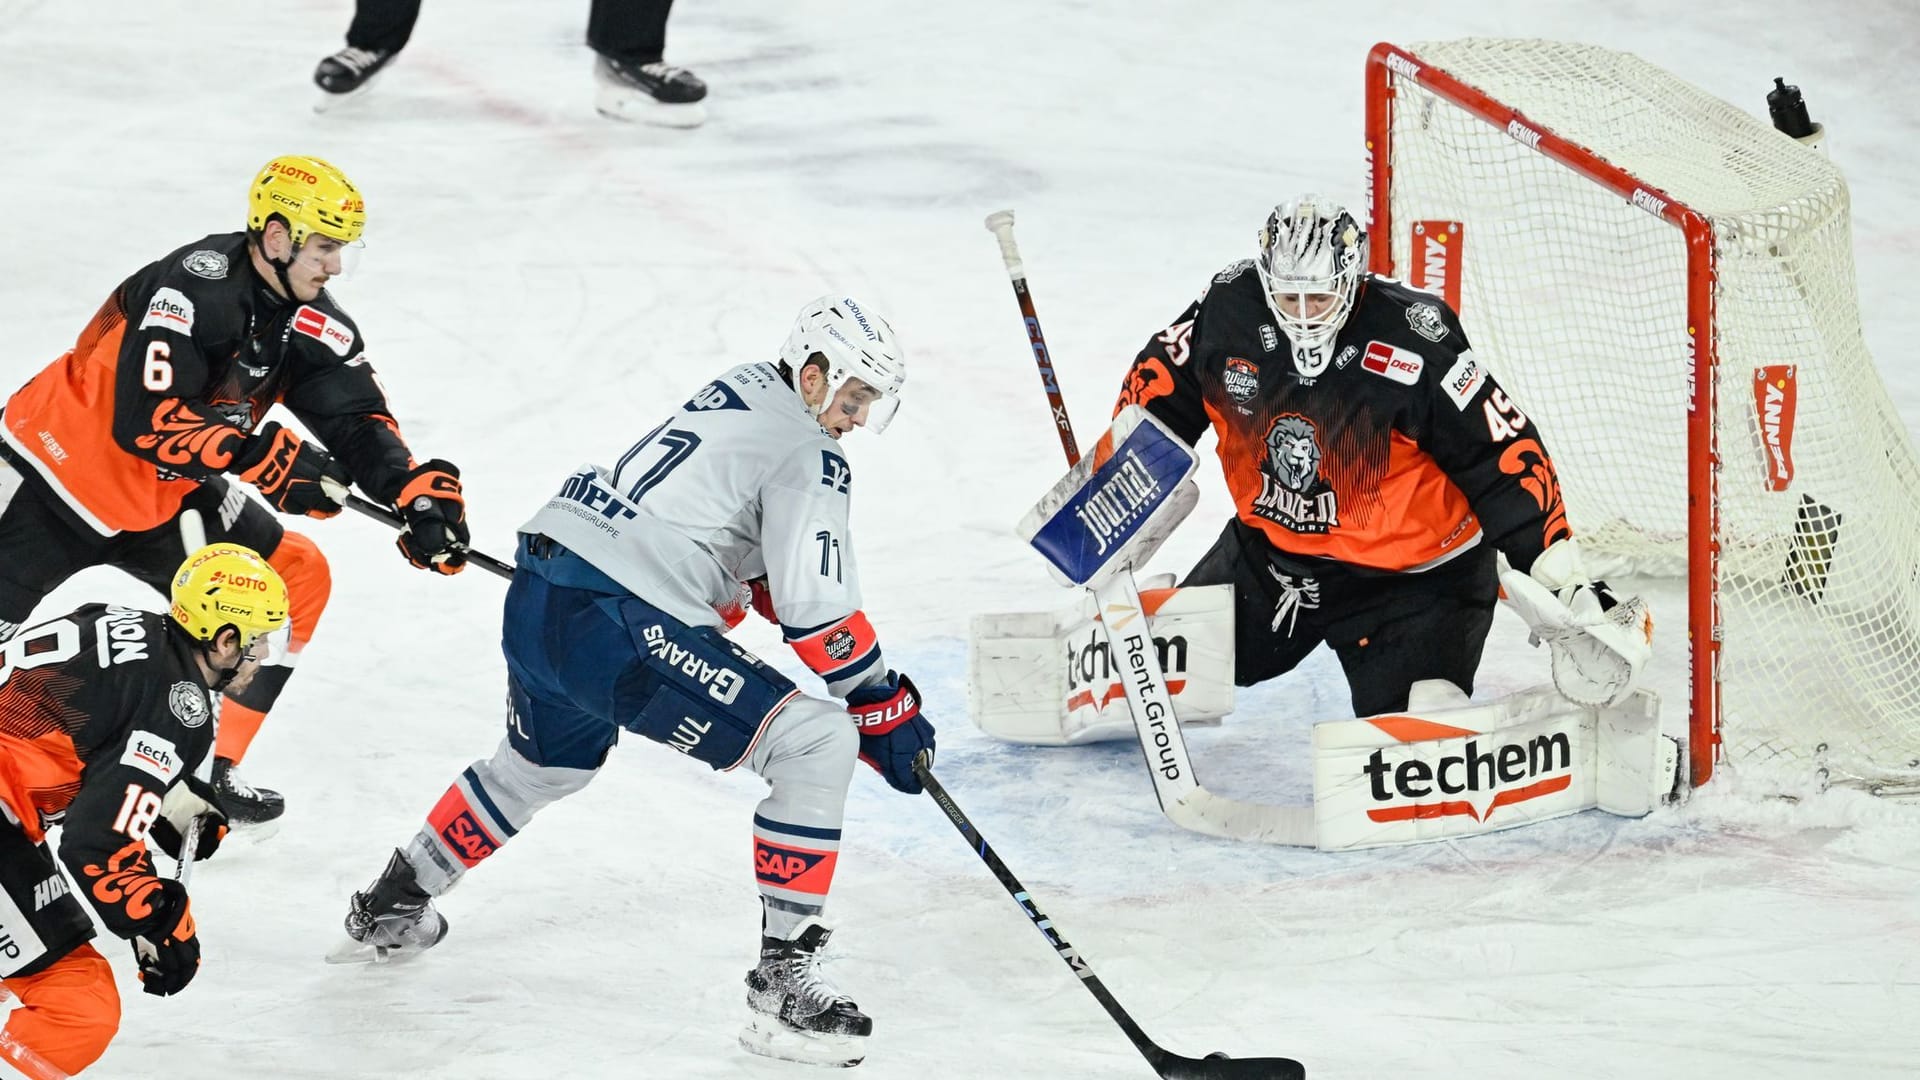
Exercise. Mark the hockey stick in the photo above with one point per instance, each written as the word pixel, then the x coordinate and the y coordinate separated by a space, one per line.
pixel 1181 797
pixel 1000 224
pixel 380 513
pixel 1169 1065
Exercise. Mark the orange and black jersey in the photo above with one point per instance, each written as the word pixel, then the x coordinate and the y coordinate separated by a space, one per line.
pixel 1402 453
pixel 167 382
pixel 101 711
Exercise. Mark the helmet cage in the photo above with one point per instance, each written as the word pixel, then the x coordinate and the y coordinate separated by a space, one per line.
pixel 1310 246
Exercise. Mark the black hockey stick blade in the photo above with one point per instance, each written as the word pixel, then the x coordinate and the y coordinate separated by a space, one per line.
pixel 1169 1065
pixel 1172 1066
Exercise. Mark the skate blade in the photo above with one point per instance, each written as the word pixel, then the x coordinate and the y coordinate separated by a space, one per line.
pixel 768 1037
pixel 325 102
pixel 635 107
pixel 359 952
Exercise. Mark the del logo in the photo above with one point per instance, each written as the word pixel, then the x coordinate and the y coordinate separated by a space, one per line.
pixel 1486 773
pixel 1401 365
pixel 326 331
pixel 780 865
pixel 1241 378
pixel 1776 396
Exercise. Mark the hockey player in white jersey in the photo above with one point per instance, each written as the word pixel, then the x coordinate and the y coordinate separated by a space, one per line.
pixel 624 584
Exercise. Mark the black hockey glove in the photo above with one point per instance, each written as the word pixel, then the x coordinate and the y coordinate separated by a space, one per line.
pixel 892 731
pixel 186 800
pixel 292 473
pixel 169 952
pixel 435 535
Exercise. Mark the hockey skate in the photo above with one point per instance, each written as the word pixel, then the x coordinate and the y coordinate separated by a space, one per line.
pixel 795 1013
pixel 247 807
pixel 393 917
pixel 348 73
pixel 651 93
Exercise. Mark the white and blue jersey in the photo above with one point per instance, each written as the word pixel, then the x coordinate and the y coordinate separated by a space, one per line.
pixel 739 483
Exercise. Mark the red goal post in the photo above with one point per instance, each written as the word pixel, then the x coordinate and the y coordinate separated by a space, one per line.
pixel 1627 252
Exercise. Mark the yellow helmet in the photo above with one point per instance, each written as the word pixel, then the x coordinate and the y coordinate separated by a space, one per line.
pixel 311 195
pixel 224 585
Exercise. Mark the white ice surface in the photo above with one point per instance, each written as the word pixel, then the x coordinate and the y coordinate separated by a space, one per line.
pixel 535 273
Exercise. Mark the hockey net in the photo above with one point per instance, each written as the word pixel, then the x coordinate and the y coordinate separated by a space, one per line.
pixel 1666 284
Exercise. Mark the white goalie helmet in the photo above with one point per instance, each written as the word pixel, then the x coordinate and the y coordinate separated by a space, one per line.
pixel 857 343
pixel 1312 254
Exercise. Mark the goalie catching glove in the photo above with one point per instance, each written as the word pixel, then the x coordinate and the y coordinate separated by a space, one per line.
pixel 892 731
pixel 1599 641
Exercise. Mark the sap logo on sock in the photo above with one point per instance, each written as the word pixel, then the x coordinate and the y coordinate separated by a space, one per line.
pixel 781 865
pixel 467 839
pixel 46 892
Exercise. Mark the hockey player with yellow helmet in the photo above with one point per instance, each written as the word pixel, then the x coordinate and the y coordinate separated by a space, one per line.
pixel 162 404
pixel 109 717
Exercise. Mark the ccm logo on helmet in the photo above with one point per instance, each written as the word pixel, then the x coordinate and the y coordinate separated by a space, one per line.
pixel 293 172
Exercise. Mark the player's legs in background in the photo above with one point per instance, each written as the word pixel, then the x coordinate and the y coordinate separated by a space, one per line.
pixel 379 30
pixel 69 1008
pixel 1275 606
pixel 229 516
pixel 40 547
pixel 1408 627
pixel 634 80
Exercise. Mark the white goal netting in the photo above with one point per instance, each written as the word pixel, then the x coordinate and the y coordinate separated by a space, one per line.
pixel 1576 298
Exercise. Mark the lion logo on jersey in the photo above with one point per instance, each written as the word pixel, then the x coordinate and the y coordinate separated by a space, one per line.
pixel 1293 454
pixel 1293 493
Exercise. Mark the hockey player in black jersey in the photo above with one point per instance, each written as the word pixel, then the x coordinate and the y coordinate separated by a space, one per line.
pixel 105 717
pixel 162 404
pixel 1376 467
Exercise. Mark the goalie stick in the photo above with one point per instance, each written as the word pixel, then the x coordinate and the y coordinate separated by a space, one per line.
pixel 1180 795
pixel 1169 1065
pixel 1000 224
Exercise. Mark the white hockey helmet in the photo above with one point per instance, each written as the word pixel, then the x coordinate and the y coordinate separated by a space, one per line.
pixel 1311 247
pixel 857 343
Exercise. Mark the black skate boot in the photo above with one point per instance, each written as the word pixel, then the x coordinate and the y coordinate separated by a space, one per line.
pixel 349 72
pixel 392 915
pixel 795 1013
pixel 654 92
pixel 246 806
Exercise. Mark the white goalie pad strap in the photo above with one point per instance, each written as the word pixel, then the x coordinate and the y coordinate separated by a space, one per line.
pixel 1439 773
pixel 1115 507
pixel 1049 678
pixel 1597 656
